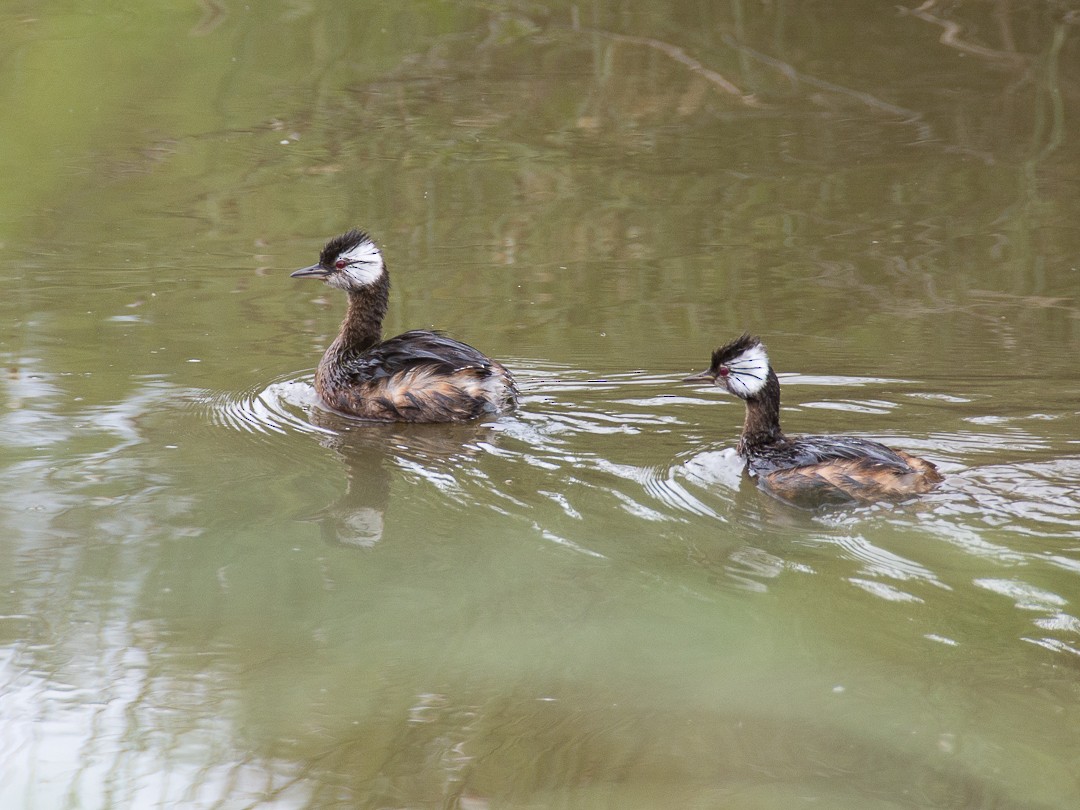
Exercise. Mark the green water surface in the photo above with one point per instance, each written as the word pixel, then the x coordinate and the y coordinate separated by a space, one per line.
pixel 213 595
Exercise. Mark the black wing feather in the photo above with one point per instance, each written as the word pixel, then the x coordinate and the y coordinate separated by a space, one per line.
pixel 801 451
pixel 418 347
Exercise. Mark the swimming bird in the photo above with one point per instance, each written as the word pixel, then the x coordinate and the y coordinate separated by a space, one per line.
pixel 418 376
pixel 807 470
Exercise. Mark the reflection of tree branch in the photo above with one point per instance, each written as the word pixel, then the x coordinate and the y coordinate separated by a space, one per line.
pixel 950 35
pixel 909 116
pixel 1052 119
pixel 214 14
pixel 683 58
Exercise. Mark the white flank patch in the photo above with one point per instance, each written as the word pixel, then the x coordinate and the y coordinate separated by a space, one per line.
pixel 365 264
pixel 748 372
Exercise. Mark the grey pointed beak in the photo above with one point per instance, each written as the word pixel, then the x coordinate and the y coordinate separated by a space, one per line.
pixel 315 271
pixel 706 376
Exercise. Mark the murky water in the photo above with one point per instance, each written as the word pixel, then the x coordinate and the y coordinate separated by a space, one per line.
pixel 215 594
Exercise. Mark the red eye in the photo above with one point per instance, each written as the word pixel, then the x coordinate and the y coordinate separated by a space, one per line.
pixel 723 371
pixel 340 264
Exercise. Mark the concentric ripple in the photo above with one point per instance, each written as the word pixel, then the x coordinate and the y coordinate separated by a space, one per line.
pixel 280 407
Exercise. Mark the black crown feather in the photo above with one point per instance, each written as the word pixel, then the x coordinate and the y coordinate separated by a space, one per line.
pixel 340 244
pixel 729 351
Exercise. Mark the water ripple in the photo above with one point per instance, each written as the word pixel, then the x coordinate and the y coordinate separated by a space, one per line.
pixel 575 448
pixel 1036 499
pixel 280 407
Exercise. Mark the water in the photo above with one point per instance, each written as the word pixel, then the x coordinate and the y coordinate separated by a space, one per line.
pixel 214 594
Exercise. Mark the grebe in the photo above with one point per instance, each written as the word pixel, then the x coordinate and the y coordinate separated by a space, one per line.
pixel 418 376
pixel 808 470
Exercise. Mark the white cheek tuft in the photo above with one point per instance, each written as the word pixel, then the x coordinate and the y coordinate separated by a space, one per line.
pixel 748 372
pixel 365 265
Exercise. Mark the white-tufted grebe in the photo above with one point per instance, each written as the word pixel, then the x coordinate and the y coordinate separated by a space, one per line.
pixel 808 470
pixel 418 376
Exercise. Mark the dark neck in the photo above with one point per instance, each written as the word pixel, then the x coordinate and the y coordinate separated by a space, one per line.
pixel 362 327
pixel 762 425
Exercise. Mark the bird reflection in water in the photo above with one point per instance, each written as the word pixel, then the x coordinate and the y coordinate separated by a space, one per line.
pixel 370 451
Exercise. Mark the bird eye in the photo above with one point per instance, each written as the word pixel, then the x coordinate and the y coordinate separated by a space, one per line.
pixel 340 264
pixel 723 371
